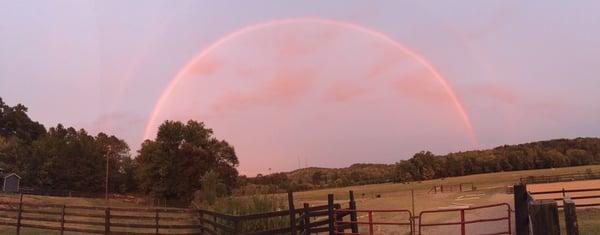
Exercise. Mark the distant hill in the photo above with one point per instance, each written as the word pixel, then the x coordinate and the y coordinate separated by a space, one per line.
pixel 425 165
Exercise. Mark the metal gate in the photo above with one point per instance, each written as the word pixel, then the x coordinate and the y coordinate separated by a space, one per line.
pixel 355 222
pixel 464 222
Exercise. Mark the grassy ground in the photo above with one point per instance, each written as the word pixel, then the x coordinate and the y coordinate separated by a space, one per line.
pixel 491 188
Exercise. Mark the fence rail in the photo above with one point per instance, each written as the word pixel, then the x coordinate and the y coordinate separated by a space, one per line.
pixel 464 222
pixel 560 178
pixel 353 223
pixel 99 220
pixel 564 193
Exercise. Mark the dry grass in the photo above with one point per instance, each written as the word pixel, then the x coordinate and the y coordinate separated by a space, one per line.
pixel 491 189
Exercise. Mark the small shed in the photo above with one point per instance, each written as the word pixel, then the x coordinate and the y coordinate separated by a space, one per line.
pixel 10 182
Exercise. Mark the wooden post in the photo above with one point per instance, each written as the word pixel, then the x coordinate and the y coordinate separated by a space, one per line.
pixel 462 222
pixel 353 214
pixel 412 216
pixel 62 220
pixel 330 213
pixel 339 218
pixel 201 222
pixel 156 218
pixel 236 227
pixel 292 213
pixel 521 209
pixel 544 217
pixel 306 223
pixel 570 217
pixel 19 214
pixel 215 224
pixel 107 220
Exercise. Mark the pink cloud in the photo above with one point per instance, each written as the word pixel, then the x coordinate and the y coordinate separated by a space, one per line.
pixel 208 65
pixel 295 43
pixel 285 88
pixel 340 91
pixel 419 84
pixel 387 61
pixel 499 92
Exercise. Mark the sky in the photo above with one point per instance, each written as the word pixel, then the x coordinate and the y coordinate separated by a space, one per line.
pixel 310 83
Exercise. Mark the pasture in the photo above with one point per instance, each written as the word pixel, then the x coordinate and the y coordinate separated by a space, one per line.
pixel 491 188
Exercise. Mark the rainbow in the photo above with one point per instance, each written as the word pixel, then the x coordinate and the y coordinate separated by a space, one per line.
pixel 330 22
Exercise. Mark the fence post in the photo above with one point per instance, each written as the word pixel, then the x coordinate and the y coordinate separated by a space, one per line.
pixel 19 214
pixel 521 209
pixel 462 222
pixel 353 213
pixel 292 213
pixel 62 219
pixel 306 223
pixel 156 218
pixel 570 216
pixel 236 226
pixel 412 213
pixel 330 213
pixel 544 217
pixel 370 222
pixel 215 224
pixel 107 220
pixel 201 222
pixel 339 217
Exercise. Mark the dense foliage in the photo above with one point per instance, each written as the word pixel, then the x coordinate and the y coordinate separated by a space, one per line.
pixel 172 165
pixel 61 159
pixel 185 161
pixel 425 165
pixel 536 155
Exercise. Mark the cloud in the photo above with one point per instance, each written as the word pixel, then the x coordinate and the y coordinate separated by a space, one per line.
pixel 284 88
pixel 295 42
pixel 421 85
pixel 340 91
pixel 114 121
pixel 499 93
pixel 207 66
pixel 387 61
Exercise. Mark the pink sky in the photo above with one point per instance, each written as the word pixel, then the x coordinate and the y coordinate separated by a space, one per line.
pixel 327 95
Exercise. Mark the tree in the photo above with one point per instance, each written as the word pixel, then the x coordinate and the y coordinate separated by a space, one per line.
pixel 14 122
pixel 170 165
pixel 120 165
pixel 316 178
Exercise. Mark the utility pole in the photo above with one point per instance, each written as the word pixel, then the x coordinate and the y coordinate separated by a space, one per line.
pixel 106 182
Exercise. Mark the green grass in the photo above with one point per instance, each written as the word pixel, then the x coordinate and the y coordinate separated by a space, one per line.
pixel 588 220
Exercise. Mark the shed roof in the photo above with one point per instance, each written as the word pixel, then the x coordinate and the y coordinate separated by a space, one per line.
pixel 6 175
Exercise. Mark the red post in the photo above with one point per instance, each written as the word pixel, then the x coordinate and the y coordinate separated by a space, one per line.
pixel 462 222
pixel 371 223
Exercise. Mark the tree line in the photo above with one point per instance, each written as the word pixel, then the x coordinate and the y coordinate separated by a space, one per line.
pixel 172 166
pixel 185 161
pixel 426 165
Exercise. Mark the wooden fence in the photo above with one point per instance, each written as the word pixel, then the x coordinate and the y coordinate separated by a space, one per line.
pixel 98 220
pixel 560 178
pixel 540 216
pixel 305 220
pixel 462 187
pixel 147 221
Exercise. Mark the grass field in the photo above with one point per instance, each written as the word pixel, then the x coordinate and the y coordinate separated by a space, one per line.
pixel 491 188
